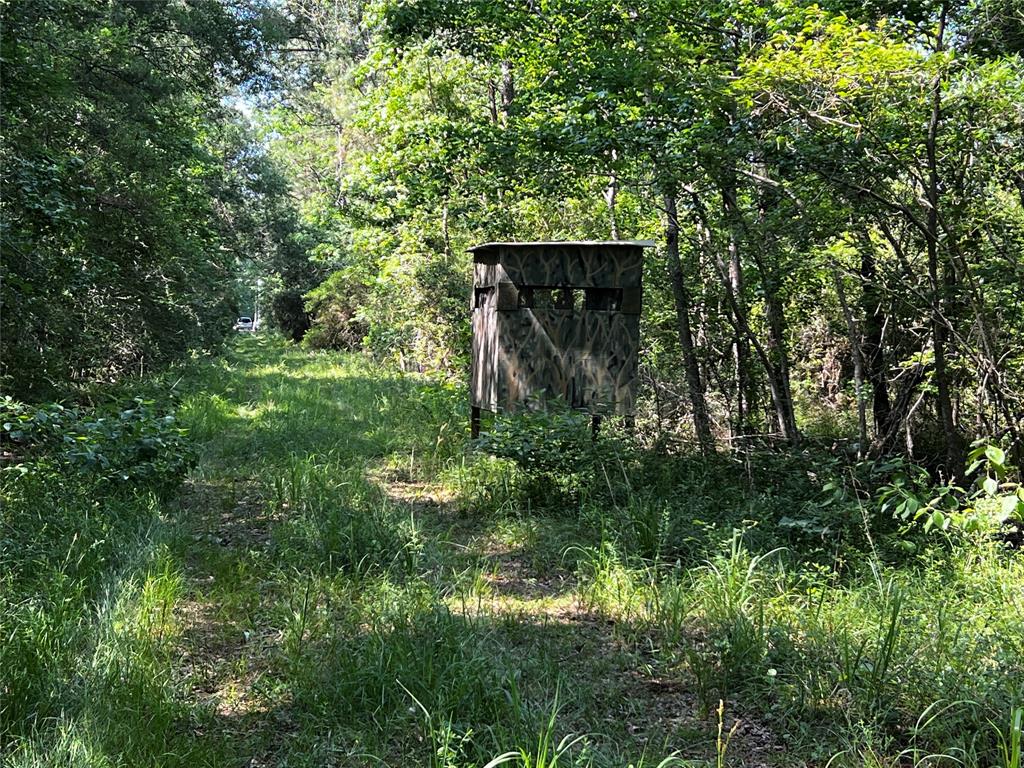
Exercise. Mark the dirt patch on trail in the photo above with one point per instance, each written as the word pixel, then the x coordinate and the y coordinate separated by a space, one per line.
pixel 229 514
pixel 225 664
pixel 222 659
pixel 512 577
pixel 401 488
pixel 656 703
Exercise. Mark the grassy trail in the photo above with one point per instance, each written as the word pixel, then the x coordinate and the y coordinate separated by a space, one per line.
pixel 343 606
pixel 361 591
pixel 340 582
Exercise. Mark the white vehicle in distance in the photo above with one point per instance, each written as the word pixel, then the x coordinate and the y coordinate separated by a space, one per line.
pixel 245 325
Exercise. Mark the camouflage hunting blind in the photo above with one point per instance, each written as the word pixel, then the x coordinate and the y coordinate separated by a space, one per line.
pixel 558 319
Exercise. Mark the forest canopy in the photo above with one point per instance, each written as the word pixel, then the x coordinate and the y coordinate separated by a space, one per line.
pixel 837 189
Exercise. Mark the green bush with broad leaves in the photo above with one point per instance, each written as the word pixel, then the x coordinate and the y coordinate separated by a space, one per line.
pixel 541 442
pixel 138 445
pixel 913 498
pixel 559 457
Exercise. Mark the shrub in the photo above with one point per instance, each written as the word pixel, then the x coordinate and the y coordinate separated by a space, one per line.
pixel 85 585
pixel 542 442
pixel 334 307
pixel 557 454
pixel 131 447
pixel 290 314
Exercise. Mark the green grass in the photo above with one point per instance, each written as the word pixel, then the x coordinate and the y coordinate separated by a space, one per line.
pixel 340 581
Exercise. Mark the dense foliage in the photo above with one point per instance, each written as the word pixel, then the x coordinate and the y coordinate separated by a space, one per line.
pixel 339 581
pixel 85 585
pixel 837 190
pixel 129 447
pixel 134 194
pixel 807 539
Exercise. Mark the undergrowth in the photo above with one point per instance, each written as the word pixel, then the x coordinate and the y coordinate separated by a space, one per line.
pixel 344 580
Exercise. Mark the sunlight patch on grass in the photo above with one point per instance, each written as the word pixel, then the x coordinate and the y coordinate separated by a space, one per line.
pixel 344 580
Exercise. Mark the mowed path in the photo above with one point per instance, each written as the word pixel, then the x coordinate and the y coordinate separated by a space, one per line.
pixel 361 591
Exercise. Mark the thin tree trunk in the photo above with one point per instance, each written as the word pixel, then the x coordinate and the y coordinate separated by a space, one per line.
pixel 954 450
pixel 778 371
pixel 774 360
pixel 508 89
pixel 762 246
pixel 873 349
pixel 492 101
pixel 778 377
pixel 701 422
pixel 611 194
pixel 991 380
pixel 746 393
pixel 444 231
pixel 856 353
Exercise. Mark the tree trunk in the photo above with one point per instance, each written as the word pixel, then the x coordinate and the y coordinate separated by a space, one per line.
pixel 954 449
pixel 445 232
pixel 746 391
pixel 778 370
pixel 492 101
pixel 508 89
pixel 857 355
pixel 701 422
pixel 773 355
pixel 611 194
pixel 873 350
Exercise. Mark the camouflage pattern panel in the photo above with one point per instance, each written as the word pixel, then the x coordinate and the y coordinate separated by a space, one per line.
pixel 581 266
pixel 531 363
pixel 494 275
pixel 556 320
pixel 589 358
pixel 484 362
pixel 603 357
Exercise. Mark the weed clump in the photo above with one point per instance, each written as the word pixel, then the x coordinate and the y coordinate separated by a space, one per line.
pixel 87 586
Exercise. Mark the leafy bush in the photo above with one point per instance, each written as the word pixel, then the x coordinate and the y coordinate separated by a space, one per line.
pixel 85 585
pixel 558 456
pixel 556 440
pixel 921 504
pixel 290 314
pixel 552 440
pixel 130 447
pixel 334 307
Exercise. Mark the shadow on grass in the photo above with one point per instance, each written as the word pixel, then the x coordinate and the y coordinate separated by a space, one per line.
pixel 480 684
pixel 375 592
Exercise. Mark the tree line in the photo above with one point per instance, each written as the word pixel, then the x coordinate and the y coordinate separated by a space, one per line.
pixel 837 188
pixel 137 196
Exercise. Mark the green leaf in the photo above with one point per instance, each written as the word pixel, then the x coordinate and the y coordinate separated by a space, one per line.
pixel 990 486
pixel 1008 506
pixel 995 455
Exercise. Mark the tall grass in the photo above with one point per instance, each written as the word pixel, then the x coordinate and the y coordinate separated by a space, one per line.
pixel 886 663
pixel 87 615
pixel 345 582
